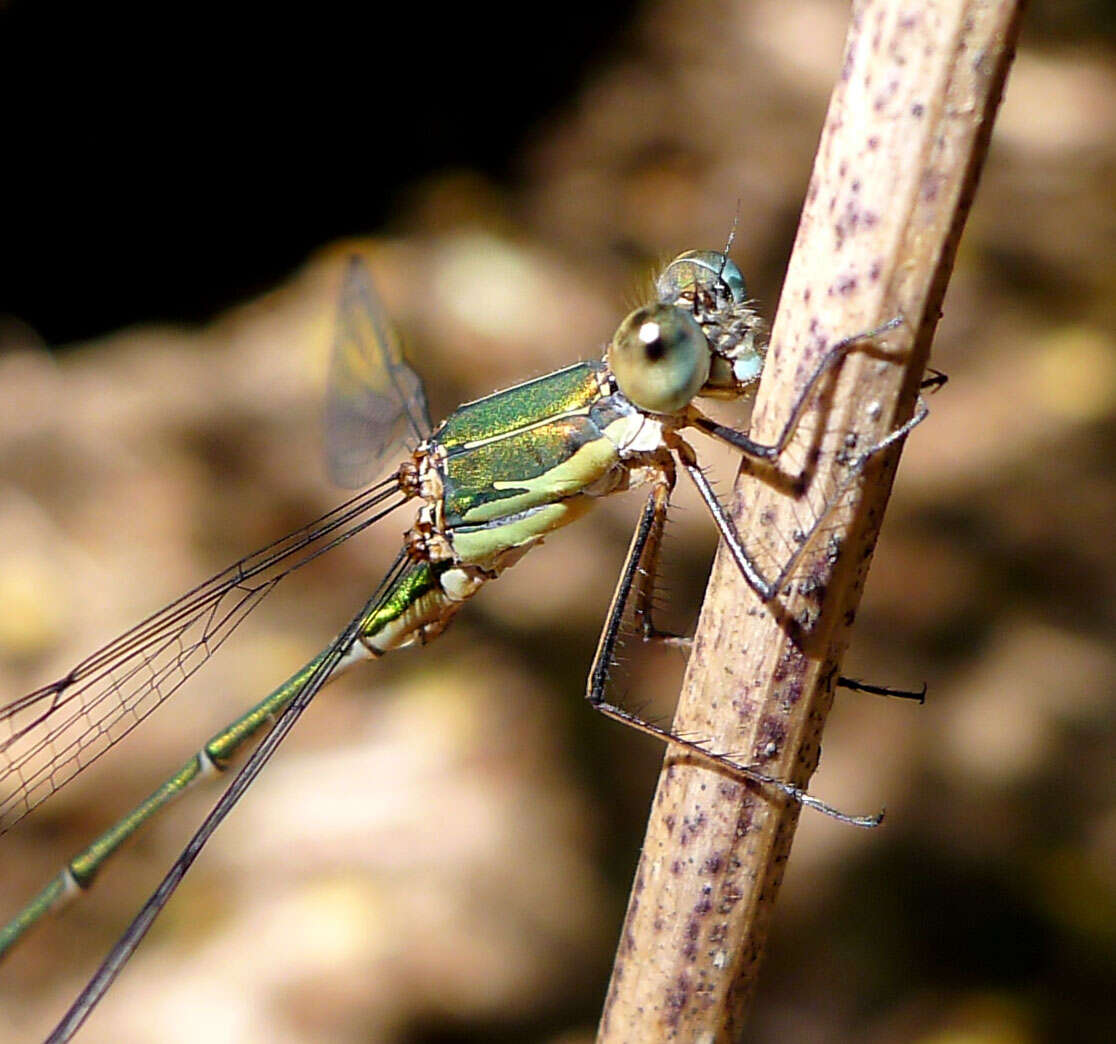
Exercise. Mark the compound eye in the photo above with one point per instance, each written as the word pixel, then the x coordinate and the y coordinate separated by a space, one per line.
pixel 660 358
pixel 702 270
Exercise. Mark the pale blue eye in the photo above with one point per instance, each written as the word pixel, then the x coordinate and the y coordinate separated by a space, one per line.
pixel 702 270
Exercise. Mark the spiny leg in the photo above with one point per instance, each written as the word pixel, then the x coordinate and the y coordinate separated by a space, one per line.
pixel 936 380
pixel 647 564
pixel 646 542
pixel 919 696
pixel 646 570
pixel 735 768
pixel 827 363
pixel 686 643
pixel 751 571
pixel 649 521
pixel 644 583
pixel 598 676
pixel 768 589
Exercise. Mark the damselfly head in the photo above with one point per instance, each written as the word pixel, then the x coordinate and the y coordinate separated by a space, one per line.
pixel 709 284
pixel 702 337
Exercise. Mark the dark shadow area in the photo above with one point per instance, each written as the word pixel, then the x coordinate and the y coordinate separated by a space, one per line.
pixel 163 163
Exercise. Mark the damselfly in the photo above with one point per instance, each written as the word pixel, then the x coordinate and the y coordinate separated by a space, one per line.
pixel 491 481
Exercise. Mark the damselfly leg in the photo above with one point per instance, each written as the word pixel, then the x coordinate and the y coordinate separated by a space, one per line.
pixel 640 567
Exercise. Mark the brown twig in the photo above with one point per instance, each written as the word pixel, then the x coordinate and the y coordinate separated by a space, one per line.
pixel 903 144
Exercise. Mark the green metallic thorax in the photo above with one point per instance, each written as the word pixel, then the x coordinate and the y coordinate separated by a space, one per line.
pixel 497 476
pixel 518 464
pixel 515 450
pixel 571 390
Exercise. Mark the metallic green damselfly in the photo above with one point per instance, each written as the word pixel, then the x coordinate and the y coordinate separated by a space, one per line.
pixel 491 482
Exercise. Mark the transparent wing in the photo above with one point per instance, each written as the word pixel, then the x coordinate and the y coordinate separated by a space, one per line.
pixel 48 736
pixel 133 935
pixel 375 400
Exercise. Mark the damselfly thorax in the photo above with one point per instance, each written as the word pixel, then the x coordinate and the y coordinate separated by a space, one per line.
pixel 502 472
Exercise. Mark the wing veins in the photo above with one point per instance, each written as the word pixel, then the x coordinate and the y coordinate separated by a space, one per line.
pixel 115 688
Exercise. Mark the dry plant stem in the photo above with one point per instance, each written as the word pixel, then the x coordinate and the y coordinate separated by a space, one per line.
pixel 903 142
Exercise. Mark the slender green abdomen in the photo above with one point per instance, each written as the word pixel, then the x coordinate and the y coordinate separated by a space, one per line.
pixel 416 607
pixel 79 872
pixel 413 606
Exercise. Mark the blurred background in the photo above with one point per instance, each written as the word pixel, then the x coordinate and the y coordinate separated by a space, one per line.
pixel 442 851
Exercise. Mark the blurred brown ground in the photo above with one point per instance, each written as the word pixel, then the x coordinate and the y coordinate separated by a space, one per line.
pixel 442 851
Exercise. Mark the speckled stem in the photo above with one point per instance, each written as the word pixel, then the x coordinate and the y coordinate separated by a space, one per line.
pixel 903 144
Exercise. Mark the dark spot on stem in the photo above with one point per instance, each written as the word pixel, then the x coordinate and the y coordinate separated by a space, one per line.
pixel 770 738
pixel 677 997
